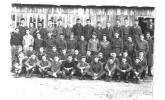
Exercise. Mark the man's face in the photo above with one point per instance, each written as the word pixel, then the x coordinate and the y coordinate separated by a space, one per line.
pixel 113 55
pixel 141 37
pixel 137 61
pixel 104 37
pixel 100 54
pixel 111 61
pixel 33 56
pixel 17 30
pixel 148 35
pixel 94 36
pixel 39 25
pixel 68 24
pixel 108 24
pixel 126 22
pixel 20 48
pixel 88 52
pixel 21 55
pixel 116 35
pixel 56 58
pixel 83 59
pixel 99 25
pixel 82 38
pixel 70 58
pixel 96 59
pixel 118 22
pixel 31 48
pixel 141 54
pixel 129 39
pixel 38 36
pixel 54 49
pixel 125 54
pixel 78 21
pixel 27 32
pixel 23 22
pixel 43 58
pixel 41 49
pixel 50 23
pixel 88 22
pixel 61 36
pixel 59 22
pixel 76 52
pixel 63 51
pixel 72 36
pixel 49 34
pixel 124 60
pixel 31 25
pixel 136 23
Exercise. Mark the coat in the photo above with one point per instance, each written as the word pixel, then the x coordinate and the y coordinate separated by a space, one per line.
pixel 88 31
pixel 78 30
pixel 109 32
pixel 149 55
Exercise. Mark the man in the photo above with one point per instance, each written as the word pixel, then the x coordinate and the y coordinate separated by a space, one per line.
pixel 19 64
pixel 59 29
pixel 41 52
pixel 31 64
pixel 61 43
pixel 96 70
pixel 78 28
pixel 93 44
pixel 15 42
pixel 117 28
pixel 52 53
pixel 124 70
pixel 22 27
pixel 117 44
pixel 71 44
pixel 129 45
pixel 49 41
pixel 50 28
pixel 88 29
pixel 82 45
pixel 102 59
pixel 42 31
pixel 150 53
pixel 136 31
pixel 89 57
pixel 27 41
pixel 125 55
pixel 68 31
pixel 76 56
pixel 108 31
pixel 32 29
pixel 83 67
pixel 110 69
pixel 105 47
pixel 63 55
pixel 38 42
pixel 43 66
pixel 126 30
pixel 68 67
pixel 142 45
pixel 55 68
pixel 30 51
pixel 114 56
pixel 99 30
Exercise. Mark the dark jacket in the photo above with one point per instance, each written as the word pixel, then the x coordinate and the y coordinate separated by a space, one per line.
pixel 96 67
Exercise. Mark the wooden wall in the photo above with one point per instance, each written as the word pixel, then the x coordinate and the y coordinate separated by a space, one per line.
pixel 70 13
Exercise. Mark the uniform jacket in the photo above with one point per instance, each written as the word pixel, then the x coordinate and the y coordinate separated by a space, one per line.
pixel 61 44
pixel 78 30
pixel 55 66
pixel 99 32
pixel 96 67
pixel 108 32
pixel 93 45
pixel 88 31
pixel 16 39
pixel 71 44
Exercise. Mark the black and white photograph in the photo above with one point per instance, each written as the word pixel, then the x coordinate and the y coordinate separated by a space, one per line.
pixel 81 51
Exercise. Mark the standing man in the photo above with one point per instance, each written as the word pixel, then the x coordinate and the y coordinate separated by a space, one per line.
pixel 28 40
pixel 117 44
pixel 32 29
pixel 38 42
pixel 117 28
pixel 88 29
pixel 68 31
pixel 22 27
pixel 61 43
pixel 82 45
pixel 136 31
pixel 149 55
pixel 42 31
pixel 142 45
pixel 49 41
pixel 108 31
pixel 78 28
pixel 71 44
pixel 99 30
pixel 60 28
pixel 126 30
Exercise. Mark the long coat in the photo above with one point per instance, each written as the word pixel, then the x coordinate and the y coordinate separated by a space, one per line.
pixel 150 52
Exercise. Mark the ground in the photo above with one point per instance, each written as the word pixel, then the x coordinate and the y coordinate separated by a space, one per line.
pixel 48 88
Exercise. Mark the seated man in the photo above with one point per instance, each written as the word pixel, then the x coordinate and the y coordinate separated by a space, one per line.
pixel 89 57
pixel 68 67
pixel 83 67
pixel 41 53
pixel 110 69
pixel 31 64
pixel 96 70
pixel 124 70
pixel 52 53
pixel 19 64
pixel 55 68
pixel 43 66
pixel 137 70
pixel 30 51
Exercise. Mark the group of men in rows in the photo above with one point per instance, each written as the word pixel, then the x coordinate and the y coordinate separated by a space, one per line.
pixel 119 52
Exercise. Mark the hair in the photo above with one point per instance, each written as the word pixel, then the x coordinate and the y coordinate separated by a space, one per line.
pixel 88 20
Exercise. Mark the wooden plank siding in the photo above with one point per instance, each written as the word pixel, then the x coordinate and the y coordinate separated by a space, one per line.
pixel 70 13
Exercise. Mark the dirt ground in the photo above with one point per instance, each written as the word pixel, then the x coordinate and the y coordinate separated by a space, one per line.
pixel 59 89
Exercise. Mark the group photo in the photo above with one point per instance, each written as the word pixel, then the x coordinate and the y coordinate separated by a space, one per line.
pixel 82 51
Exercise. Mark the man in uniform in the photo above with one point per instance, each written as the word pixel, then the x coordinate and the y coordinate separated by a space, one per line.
pixel 42 31
pixel 83 67
pixel 43 66
pixel 68 31
pixel 22 27
pixel 78 28
pixel 51 53
pixel 99 30
pixel 50 28
pixel 61 43
pixel 88 30
pixel 117 28
pixel 117 44
pixel 38 42
pixel 60 28
pixel 149 55
pixel 32 29
pixel 68 67
pixel 108 31
pixel 82 45
pixel 49 41
pixel 71 44
pixel 96 70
